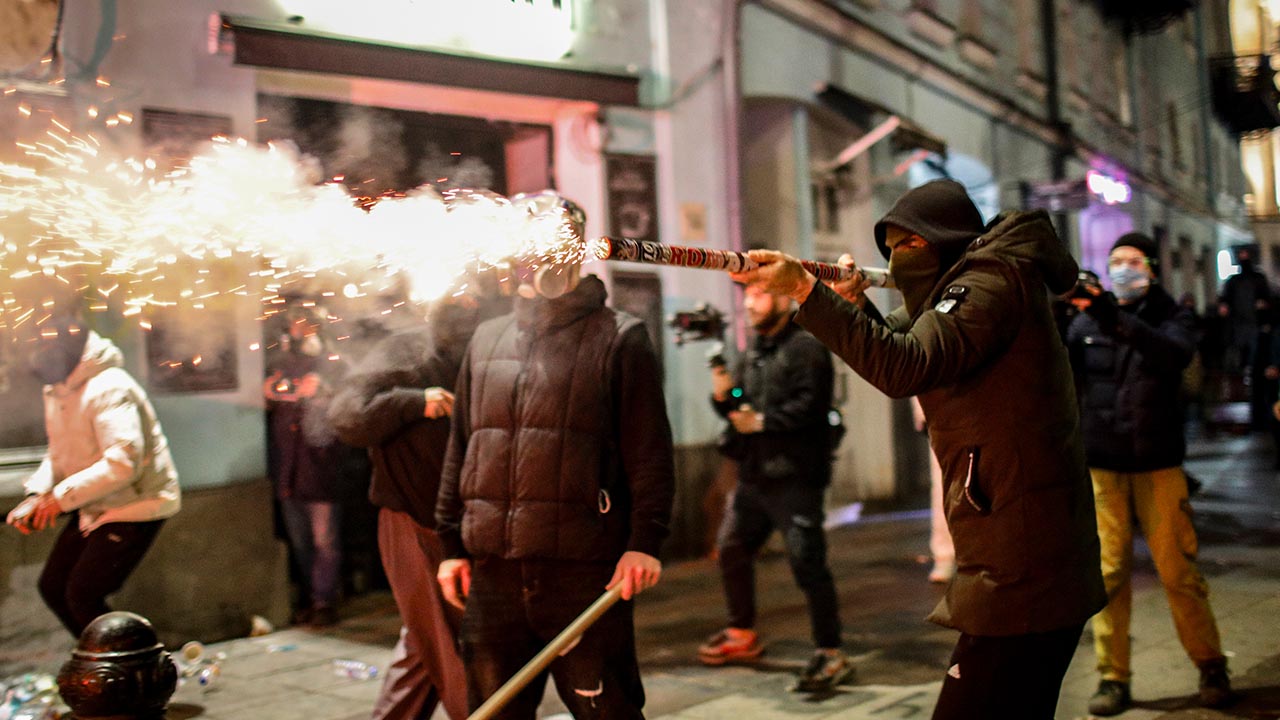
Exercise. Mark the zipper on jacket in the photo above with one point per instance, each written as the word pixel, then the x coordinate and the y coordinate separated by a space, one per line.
pixel 973 493
pixel 515 438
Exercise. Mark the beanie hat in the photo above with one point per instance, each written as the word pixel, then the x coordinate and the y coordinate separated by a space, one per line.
pixel 940 212
pixel 1143 244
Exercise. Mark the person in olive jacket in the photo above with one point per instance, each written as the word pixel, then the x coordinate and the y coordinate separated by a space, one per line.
pixel 975 340
pixel 557 483
pixel 1129 350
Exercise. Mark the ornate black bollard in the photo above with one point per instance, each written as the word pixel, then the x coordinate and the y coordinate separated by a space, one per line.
pixel 118 670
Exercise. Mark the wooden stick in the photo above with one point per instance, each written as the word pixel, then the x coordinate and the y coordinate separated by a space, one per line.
pixel 567 637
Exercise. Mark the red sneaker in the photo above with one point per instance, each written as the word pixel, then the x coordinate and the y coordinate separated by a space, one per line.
pixel 731 645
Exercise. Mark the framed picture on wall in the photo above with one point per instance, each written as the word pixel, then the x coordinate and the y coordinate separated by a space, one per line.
pixel 631 185
pixel 640 294
pixel 191 351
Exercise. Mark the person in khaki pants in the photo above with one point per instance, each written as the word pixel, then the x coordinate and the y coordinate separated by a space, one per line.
pixel 1128 351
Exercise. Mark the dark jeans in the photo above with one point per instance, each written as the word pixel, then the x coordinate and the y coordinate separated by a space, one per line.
pixel 83 570
pixel 796 511
pixel 516 607
pixel 315 541
pixel 1007 678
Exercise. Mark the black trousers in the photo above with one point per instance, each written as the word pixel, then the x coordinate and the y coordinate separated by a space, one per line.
pixel 516 607
pixel 796 511
pixel 82 570
pixel 1007 678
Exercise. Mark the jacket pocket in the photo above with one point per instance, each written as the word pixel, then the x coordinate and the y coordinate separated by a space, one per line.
pixel 974 494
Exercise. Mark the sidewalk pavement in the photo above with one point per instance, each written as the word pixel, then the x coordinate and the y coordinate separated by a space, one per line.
pixel 884 596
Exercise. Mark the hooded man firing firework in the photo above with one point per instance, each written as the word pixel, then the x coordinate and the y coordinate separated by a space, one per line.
pixel 976 342
pixel 557 483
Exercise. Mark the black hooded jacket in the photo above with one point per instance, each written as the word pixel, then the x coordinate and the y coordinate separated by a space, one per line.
pixel 995 383
pixel 1129 382
pixel 380 406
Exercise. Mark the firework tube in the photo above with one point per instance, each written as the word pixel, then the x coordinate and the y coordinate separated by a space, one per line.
pixel 644 251
pixel 554 649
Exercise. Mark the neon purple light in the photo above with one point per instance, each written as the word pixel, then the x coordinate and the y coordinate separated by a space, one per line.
pixel 1111 190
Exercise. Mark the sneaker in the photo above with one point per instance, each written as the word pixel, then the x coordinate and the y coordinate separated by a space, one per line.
pixel 1112 698
pixel 324 616
pixel 1215 687
pixel 826 669
pixel 730 645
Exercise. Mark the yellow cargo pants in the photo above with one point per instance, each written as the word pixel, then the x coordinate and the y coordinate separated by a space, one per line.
pixel 1158 500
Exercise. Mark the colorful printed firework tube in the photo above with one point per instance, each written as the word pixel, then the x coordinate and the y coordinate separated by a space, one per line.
pixel 643 251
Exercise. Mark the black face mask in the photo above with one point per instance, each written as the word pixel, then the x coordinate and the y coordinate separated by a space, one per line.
pixel 54 358
pixel 915 272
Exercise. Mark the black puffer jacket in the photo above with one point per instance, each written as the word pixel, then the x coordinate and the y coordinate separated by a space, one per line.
pixel 1128 382
pixel 788 377
pixel 995 383
pixel 560 446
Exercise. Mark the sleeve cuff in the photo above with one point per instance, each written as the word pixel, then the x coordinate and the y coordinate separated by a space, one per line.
pixel 453 547
pixel 647 541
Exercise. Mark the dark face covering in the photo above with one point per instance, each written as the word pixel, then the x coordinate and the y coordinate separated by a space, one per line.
pixel 55 356
pixel 915 271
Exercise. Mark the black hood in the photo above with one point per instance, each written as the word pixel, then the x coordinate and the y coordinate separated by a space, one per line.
pixel 941 213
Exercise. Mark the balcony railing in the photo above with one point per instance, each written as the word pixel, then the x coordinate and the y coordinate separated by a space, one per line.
pixel 1244 92
pixel 1143 16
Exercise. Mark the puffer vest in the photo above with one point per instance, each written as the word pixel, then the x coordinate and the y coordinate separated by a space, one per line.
pixel 540 478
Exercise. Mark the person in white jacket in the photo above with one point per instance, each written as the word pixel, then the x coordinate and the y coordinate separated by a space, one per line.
pixel 108 466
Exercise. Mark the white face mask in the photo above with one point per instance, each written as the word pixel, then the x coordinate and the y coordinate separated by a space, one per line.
pixel 1129 283
pixel 310 346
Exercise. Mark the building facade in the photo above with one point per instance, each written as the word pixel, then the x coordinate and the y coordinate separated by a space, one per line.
pixel 790 124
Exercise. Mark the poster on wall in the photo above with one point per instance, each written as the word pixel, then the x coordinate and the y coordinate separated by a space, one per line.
pixel 640 294
pixel 631 184
pixel 191 351
pixel 176 136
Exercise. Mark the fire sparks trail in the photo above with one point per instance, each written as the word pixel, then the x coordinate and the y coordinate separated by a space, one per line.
pixel 242 219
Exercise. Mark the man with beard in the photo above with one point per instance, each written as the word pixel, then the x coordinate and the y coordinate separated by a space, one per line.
pixel 1129 350
pixel 108 465
pixel 777 401
pixel 975 340
pixel 398 403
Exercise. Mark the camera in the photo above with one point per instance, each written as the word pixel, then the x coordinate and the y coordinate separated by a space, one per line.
pixel 1088 287
pixel 702 323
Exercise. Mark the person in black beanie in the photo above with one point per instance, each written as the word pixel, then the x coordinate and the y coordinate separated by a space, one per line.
pixel 975 340
pixel 1128 351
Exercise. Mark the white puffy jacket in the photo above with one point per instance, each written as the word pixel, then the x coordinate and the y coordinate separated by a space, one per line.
pixel 108 457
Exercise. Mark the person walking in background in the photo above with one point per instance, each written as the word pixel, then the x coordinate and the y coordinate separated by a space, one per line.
pixel 1247 295
pixel 1128 351
pixel 975 340
pixel 776 402
pixel 304 462
pixel 108 465
pixel 941 550
pixel 398 403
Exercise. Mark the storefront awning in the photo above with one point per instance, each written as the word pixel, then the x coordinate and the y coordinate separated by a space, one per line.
pixel 868 114
pixel 280 45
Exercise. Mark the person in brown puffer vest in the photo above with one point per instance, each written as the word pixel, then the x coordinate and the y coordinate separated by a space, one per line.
pixel 557 483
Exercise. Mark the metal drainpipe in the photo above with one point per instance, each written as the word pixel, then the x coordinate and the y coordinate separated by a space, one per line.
pixel 1053 103
pixel 731 54
pixel 1206 116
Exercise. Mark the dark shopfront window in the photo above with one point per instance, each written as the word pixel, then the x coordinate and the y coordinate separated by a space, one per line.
pixel 377 150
